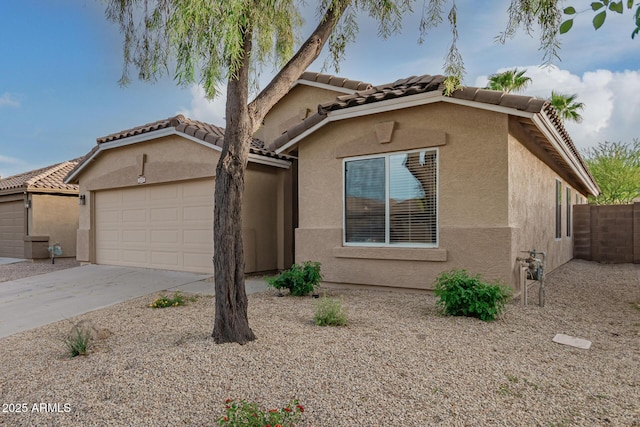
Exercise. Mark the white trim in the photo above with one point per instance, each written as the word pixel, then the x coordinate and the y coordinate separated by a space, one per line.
pixel 540 120
pixel 386 244
pixel 323 86
pixel 397 104
pixel 147 136
pixel 546 127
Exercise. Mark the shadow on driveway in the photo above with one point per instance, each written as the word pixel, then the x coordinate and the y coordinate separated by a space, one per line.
pixel 38 300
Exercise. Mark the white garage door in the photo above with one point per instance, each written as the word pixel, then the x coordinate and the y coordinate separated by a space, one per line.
pixel 156 226
pixel 12 229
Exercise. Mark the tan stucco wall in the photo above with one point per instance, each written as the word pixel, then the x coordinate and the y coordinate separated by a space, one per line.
pixel 174 158
pixel 532 204
pixel 301 102
pixel 474 230
pixel 57 217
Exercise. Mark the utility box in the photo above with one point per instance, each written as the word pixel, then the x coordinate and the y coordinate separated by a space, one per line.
pixel 36 247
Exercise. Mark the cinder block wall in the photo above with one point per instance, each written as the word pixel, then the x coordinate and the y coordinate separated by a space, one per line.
pixel 608 234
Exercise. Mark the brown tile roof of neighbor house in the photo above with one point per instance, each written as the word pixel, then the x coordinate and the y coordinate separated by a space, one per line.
pixel 47 179
pixel 335 81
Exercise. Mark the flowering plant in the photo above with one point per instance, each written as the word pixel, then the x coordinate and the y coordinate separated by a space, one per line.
pixel 246 414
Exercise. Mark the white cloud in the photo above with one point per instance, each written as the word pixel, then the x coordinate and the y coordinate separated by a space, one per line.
pixel 8 100
pixel 611 106
pixel 205 110
pixel 10 166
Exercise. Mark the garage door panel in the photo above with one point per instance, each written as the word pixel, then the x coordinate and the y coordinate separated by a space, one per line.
pixel 164 214
pixel 197 237
pixel 202 189
pixel 164 192
pixel 134 236
pixel 135 257
pixel 134 215
pixel 12 229
pixel 168 260
pixel 197 259
pixel 161 226
pixel 197 213
pixel 165 236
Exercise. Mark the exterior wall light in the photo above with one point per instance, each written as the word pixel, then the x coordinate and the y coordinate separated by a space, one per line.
pixel 81 199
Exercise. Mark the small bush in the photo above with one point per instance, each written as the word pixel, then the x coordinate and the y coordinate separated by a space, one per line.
pixel 78 340
pixel 164 301
pixel 300 279
pixel 246 414
pixel 462 295
pixel 329 312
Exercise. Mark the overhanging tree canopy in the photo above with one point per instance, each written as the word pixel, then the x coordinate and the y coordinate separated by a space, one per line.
pixel 217 42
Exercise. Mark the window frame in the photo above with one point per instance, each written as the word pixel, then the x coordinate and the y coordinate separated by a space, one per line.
pixel 387 244
pixel 558 211
pixel 568 212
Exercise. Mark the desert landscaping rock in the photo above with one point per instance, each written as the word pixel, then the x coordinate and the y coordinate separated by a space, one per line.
pixel 398 362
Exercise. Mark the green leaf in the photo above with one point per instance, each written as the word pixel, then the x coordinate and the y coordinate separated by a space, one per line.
pixel 629 4
pixel 596 5
pixel 598 20
pixel 635 32
pixel 570 10
pixel 566 26
pixel 616 6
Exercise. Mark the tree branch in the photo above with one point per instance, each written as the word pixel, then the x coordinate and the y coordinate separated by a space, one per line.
pixel 307 53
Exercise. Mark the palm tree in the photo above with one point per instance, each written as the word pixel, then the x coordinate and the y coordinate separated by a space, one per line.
pixel 567 106
pixel 509 81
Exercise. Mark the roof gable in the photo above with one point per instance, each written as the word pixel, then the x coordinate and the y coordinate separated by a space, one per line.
pixel 203 132
pixel 419 90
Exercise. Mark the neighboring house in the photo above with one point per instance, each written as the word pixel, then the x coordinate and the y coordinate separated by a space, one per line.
pixel 148 199
pixel 398 183
pixel 37 210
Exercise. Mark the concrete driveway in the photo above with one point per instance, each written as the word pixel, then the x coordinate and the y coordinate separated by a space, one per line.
pixel 38 300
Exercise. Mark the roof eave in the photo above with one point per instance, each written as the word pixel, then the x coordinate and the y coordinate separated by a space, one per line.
pixel 325 86
pixel 147 136
pixel 544 124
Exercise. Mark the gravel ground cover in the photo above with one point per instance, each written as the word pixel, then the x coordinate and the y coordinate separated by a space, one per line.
pixel 23 269
pixel 398 362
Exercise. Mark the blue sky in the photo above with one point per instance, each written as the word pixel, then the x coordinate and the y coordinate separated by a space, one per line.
pixel 61 61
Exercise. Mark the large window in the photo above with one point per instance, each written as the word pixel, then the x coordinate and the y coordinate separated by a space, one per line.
pixel 391 199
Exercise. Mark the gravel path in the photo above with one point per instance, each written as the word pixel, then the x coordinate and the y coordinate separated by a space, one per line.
pixel 398 362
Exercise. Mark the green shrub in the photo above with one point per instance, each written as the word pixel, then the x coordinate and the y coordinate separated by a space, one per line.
pixel 329 312
pixel 462 295
pixel 246 414
pixel 164 301
pixel 78 340
pixel 300 279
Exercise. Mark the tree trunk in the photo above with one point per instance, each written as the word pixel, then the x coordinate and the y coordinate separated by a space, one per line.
pixel 231 323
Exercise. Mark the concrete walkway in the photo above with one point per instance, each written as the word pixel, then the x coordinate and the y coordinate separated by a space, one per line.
pixel 38 300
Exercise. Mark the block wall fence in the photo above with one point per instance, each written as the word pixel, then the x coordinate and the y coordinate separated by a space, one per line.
pixel 608 234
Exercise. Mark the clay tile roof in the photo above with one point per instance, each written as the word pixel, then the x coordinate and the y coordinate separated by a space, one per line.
pixel 45 179
pixel 204 131
pixel 422 84
pixel 334 81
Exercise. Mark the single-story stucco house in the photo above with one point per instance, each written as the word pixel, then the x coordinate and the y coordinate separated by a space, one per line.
pixel 148 199
pixel 387 186
pixel 38 210
pixel 398 183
